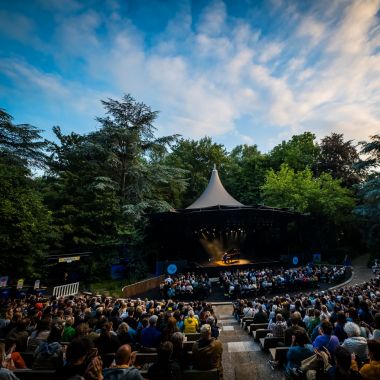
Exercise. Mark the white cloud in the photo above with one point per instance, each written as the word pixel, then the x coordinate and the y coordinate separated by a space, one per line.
pixel 324 75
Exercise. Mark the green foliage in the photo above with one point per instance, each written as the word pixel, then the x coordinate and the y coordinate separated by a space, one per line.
pixel 299 153
pixel 305 193
pixel 245 173
pixel 25 223
pixel 339 158
pixel 21 143
pixel 198 159
pixel 368 208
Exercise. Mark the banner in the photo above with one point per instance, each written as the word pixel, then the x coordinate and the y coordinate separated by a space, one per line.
pixel 20 283
pixel 68 259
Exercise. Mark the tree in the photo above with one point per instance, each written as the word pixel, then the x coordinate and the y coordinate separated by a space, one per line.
pixel 368 208
pixel 245 173
pixel 197 158
pixel 304 193
pixel 25 223
pixel 299 153
pixel 338 157
pixel 21 142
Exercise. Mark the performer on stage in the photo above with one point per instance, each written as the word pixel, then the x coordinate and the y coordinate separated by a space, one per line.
pixel 225 257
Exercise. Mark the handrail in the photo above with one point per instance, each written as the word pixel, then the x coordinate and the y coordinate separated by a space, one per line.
pixel 66 290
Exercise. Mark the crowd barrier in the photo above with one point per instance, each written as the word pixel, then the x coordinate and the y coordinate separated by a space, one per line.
pixel 66 290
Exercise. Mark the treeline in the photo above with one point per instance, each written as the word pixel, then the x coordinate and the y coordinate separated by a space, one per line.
pixel 92 192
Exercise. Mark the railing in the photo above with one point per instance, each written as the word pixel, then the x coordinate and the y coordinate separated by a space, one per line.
pixel 66 290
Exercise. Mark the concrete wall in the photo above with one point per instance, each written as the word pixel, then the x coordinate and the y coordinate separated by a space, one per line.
pixel 142 286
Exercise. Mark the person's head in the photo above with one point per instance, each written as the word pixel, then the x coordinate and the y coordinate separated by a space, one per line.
pixel 171 324
pixel 153 320
pixel 177 339
pixel 374 349
pixel 317 313
pixel 206 331
pixel 123 328
pixel 210 320
pixel 191 313
pixel 77 349
pixel 300 338
pixel 341 318
pixel 352 329
pixel 164 352
pixel 342 358
pixel 279 318
pixel 326 328
pixel 123 355
pixel 295 318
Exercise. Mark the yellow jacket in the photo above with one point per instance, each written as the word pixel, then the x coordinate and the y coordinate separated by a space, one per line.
pixel 371 371
pixel 190 325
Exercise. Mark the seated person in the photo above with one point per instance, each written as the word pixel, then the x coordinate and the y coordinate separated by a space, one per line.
pixel 207 352
pixel 326 339
pixel 165 367
pixel 151 336
pixel 295 319
pixel 355 343
pixel 299 350
pixel 342 370
pixel 123 368
pixel 371 371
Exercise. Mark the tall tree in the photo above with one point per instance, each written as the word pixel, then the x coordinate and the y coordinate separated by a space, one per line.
pixel 339 157
pixel 299 153
pixel 368 208
pixel 245 173
pixel 21 142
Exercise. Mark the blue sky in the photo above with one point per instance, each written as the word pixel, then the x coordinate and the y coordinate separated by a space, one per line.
pixel 246 71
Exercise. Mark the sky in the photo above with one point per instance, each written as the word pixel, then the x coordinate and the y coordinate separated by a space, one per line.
pixel 240 71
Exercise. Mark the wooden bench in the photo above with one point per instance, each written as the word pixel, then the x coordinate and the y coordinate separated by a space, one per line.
pixel 256 326
pixel 193 337
pixel 145 358
pixel 188 345
pixel 34 374
pixel 270 342
pixel 260 333
pixel 245 319
pixel 278 354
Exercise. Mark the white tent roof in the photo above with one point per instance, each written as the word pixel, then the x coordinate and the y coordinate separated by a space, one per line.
pixel 215 195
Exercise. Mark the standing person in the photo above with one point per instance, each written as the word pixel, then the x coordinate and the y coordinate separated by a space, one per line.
pixel 207 352
pixel 123 368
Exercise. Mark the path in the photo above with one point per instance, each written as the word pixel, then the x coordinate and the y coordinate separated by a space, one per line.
pixel 242 357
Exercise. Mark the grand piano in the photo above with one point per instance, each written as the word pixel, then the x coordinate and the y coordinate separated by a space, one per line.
pixel 231 255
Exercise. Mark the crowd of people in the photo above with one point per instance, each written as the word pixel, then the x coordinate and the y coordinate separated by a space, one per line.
pixel 186 286
pixel 250 282
pixel 72 335
pixel 340 328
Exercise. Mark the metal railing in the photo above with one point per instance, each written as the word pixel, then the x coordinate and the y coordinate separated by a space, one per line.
pixel 66 290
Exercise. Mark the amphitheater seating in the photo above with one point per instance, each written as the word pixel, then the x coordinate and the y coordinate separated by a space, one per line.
pixel 256 326
pixel 193 337
pixel 278 354
pixel 270 342
pixel 260 333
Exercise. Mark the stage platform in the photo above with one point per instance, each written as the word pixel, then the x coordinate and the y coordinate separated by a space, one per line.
pixel 213 267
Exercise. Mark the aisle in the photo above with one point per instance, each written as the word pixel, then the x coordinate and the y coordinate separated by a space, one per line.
pixel 242 357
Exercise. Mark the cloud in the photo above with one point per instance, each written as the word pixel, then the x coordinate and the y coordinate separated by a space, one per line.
pixel 206 74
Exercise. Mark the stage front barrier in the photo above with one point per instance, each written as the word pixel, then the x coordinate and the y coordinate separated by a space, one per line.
pixel 66 290
pixel 142 286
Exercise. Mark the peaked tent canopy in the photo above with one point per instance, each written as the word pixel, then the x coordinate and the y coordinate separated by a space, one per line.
pixel 214 195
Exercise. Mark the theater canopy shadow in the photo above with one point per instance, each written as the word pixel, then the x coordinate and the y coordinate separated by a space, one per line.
pixel 216 223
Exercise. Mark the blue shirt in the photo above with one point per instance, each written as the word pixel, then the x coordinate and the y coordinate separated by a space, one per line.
pixel 331 342
pixel 150 337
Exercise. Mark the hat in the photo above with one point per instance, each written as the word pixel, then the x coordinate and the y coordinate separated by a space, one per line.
pixel 205 329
